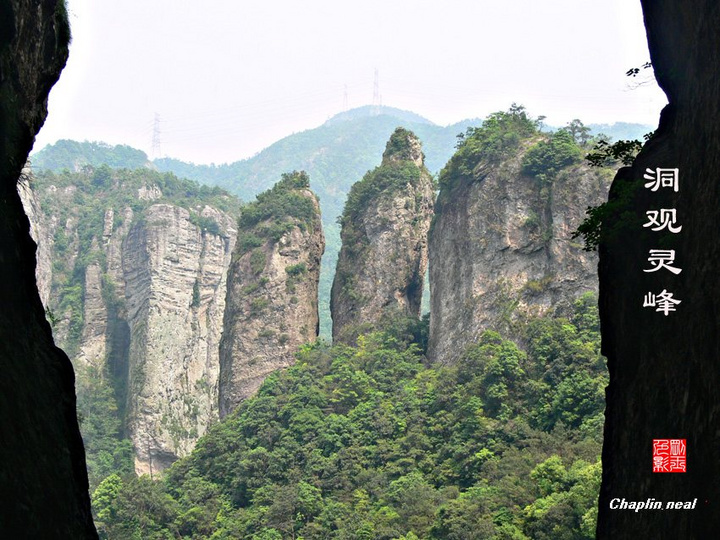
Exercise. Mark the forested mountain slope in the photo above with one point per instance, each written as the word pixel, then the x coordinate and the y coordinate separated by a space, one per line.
pixel 368 442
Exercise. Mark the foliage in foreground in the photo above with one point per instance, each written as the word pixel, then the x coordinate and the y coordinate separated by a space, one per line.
pixel 368 442
pixel 612 217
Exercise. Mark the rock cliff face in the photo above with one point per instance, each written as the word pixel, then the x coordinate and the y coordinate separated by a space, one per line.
pixel 500 243
pixel 383 258
pixel 137 298
pixel 175 284
pixel 272 305
pixel 39 232
pixel 42 463
pixel 664 376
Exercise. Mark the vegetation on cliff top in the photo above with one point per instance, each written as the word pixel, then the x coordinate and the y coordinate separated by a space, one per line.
pixel 396 172
pixel 284 203
pixel 548 157
pixel 277 211
pixel 400 146
pixel 501 136
pixel 368 442
pixel 75 155
pixel 390 176
pixel 497 138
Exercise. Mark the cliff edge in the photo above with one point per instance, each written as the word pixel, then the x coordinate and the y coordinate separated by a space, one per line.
pixel 501 247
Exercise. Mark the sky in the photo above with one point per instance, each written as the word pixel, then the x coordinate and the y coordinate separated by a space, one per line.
pixel 219 80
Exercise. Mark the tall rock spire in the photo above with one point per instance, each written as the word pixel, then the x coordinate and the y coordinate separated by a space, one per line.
pixel 383 257
pixel 501 246
pixel 272 301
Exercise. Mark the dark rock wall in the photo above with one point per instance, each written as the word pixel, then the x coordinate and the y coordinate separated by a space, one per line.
pixel 43 482
pixel 665 370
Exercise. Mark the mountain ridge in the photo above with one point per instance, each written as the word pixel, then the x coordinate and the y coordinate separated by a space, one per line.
pixel 335 155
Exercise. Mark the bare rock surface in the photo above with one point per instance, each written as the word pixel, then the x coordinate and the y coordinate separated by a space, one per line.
pixel 272 305
pixel 137 298
pixel 501 247
pixel 383 258
pixel 175 282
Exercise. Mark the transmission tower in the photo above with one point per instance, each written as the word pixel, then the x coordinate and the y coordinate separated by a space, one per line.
pixel 345 99
pixel 377 100
pixel 156 137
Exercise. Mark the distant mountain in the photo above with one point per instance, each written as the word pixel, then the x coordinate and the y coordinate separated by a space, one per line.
pixel 73 155
pixel 622 130
pixel 335 155
pixel 371 110
pixel 616 131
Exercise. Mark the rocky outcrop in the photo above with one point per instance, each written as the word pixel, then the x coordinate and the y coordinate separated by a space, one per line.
pixel 500 244
pixel 39 231
pixel 44 490
pixel 93 343
pixel 174 288
pixel 383 258
pixel 663 365
pixel 137 300
pixel 272 299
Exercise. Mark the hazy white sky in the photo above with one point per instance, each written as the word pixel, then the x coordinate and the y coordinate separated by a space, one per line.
pixel 229 77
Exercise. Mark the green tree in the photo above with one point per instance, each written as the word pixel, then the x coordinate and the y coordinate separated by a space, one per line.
pixel 368 441
pixel 499 135
pixel 103 500
pixel 546 158
pixel 579 132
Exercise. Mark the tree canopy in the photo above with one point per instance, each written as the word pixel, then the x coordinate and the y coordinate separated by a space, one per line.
pixel 370 442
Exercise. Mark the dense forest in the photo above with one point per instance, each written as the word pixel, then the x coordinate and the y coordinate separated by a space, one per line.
pixel 371 442
pixel 368 440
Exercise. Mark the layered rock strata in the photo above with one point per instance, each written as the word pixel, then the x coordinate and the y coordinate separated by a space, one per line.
pixel 382 262
pixel 44 483
pixel 174 288
pixel 137 298
pixel 272 299
pixel 501 246
pixel 663 363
